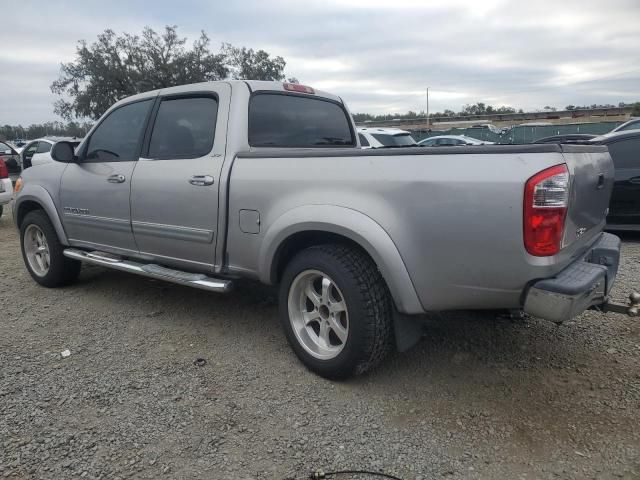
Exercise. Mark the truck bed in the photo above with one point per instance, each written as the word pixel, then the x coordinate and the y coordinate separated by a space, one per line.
pixel 455 214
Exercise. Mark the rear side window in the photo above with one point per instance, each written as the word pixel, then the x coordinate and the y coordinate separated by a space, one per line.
pixel 277 120
pixel 43 147
pixel 631 126
pixel 117 138
pixel 363 140
pixel 626 153
pixel 184 128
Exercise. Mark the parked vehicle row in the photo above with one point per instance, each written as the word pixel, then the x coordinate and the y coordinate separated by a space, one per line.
pixel 452 141
pixel 11 159
pixel 203 184
pixel 38 152
pixel 6 186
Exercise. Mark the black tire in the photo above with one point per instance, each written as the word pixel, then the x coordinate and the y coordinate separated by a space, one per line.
pixel 62 270
pixel 1 210
pixel 368 303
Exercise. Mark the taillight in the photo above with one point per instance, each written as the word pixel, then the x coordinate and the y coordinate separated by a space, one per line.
pixel 546 197
pixel 4 172
pixel 296 87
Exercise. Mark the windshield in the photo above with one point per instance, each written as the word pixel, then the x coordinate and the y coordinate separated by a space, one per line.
pixel 398 140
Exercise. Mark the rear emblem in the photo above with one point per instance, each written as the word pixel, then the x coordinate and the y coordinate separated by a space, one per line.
pixel 581 231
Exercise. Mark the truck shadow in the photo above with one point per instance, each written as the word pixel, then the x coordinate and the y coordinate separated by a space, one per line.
pixel 454 345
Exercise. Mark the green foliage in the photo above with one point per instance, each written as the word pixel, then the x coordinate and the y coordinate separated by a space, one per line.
pixel 247 64
pixel 115 67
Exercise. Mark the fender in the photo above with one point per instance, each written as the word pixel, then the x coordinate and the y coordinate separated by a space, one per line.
pixel 351 224
pixel 36 193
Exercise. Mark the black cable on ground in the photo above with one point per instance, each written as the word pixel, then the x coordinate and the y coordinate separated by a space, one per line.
pixel 320 475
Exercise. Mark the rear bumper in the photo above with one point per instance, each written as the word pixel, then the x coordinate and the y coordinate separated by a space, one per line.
pixel 583 284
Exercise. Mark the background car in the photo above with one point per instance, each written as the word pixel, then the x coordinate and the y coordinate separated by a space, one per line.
pixel 624 208
pixel 568 138
pixel 633 124
pixel 385 138
pixel 11 158
pixel 38 151
pixel 451 141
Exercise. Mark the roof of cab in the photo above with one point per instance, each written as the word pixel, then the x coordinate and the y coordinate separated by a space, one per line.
pixel 253 85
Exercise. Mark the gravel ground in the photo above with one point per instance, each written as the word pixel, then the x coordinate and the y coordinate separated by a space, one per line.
pixel 479 397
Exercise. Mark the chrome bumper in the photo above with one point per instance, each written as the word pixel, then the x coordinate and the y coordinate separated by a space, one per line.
pixel 582 285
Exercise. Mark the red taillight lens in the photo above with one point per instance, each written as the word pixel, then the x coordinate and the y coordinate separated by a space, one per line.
pixel 546 197
pixel 4 172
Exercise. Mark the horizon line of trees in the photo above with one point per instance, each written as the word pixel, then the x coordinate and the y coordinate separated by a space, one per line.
pixel 484 109
pixel 46 129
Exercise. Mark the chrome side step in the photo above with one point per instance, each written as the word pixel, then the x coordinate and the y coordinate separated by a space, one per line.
pixel 158 272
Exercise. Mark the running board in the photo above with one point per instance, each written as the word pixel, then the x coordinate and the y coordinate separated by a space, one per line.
pixel 158 272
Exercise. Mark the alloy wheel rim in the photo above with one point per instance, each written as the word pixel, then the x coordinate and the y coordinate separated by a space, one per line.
pixel 36 250
pixel 318 314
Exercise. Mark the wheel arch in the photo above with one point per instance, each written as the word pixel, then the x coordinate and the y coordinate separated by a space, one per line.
pixel 35 197
pixel 293 231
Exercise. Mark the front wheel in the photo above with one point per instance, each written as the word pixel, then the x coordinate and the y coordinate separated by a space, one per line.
pixel 42 252
pixel 336 310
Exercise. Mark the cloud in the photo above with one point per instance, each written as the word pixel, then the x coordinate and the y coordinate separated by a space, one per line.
pixel 377 55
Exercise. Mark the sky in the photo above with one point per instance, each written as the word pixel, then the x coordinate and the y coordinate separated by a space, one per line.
pixel 378 55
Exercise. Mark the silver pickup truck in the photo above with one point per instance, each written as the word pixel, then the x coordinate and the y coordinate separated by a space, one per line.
pixel 208 183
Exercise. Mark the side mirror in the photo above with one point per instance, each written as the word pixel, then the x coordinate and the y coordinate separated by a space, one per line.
pixel 63 152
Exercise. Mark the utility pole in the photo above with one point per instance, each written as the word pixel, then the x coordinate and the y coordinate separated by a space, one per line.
pixel 427 107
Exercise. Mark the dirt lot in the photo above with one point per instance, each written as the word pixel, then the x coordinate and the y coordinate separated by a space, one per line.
pixel 479 397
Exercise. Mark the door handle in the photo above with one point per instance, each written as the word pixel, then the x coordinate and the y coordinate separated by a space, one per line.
pixel 201 180
pixel 116 179
pixel 634 180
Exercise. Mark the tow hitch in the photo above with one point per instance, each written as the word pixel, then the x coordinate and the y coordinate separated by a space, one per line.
pixel 631 309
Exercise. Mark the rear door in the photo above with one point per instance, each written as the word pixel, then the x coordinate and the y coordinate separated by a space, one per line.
pixel 95 191
pixel 624 209
pixel 174 199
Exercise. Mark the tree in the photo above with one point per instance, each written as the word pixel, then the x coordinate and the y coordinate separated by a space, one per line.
pixel 247 64
pixel 115 67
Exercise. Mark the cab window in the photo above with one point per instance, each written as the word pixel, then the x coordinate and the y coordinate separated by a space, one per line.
pixel 281 120
pixel 184 128
pixel 118 137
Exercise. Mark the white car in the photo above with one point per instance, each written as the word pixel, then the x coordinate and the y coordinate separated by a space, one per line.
pixel 452 141
pixel 38 152
pixel 385 137
pixel 6 186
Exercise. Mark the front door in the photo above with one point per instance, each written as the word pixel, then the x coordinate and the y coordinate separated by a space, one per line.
pixel 95 191
pixel 174 199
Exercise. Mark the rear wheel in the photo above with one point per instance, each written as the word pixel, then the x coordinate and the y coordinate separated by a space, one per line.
pixel 42 252
pixel 1 210
pixel 336 310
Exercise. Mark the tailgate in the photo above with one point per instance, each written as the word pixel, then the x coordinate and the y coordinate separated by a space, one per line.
pixel 592 178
